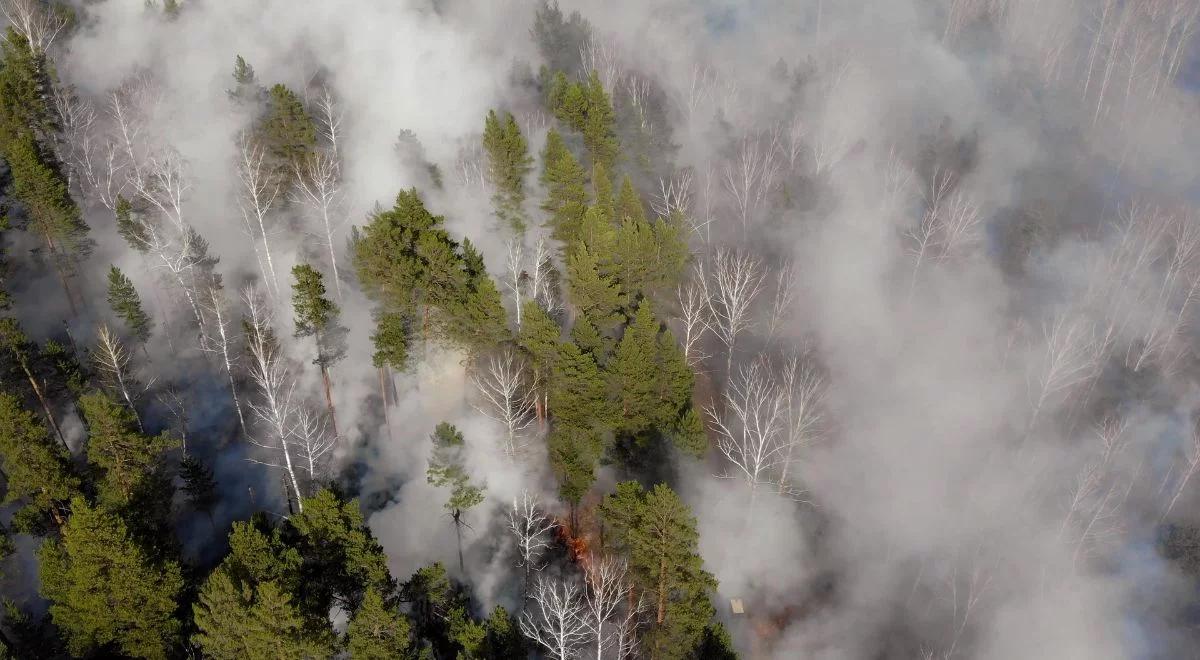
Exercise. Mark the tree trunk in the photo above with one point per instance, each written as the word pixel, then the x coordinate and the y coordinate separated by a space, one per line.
pixel 329 399
pixel 62 275
pixel 387 420
pixel 41 397
pixel 458 533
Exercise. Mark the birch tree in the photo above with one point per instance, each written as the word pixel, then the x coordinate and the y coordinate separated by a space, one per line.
pixel 222 344
pixel 694 321
pixel 508 396
pixel 556 620
pixel 258 192
pixel 531 532
pixel 733 282
pixel 112 360
pixel 35 20
pixel 750 426
pixel 276 405
pixel 318 186
pixel 313 443
pixel 608 591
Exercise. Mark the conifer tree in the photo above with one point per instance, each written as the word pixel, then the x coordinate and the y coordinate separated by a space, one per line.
pixel 657 532
pixel 574 453
pixel 589 340
pixel 198 484
pixel 124 300
pixel 127 458
pixel 579 397
pixel 599 128
pixel 317 316
pixel 594 294
pixel 629 203
pixel 446 468
pixel 602 195
pixel 37 470
pixel 104 590
pixel 538 336
pixel 391 340
pixel 22 351
pixel 378 631
pixel 508 165
pixel 633 373
pixel 288 131
pixel 236 620
pixel 566 191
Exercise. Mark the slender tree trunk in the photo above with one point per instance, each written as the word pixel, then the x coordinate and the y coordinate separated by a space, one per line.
pixel 329 399
pixel 62 275
pixel 462 566
pixel 41 397
pixel 387 420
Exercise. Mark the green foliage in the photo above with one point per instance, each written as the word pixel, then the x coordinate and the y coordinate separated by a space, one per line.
pixel 446 469
pixel 126 457
pixel 240 621
pixel 24 90
pixel 629 203
pixel 566 189
pixel 688 433
pixel 579 397
pixel 70 375
pixel 134 232
pixel 633 374
pixel 538 335
pixel 317 315
pixel 124 300
pixel 595 294
pixel 657 532
pixel 559 40
pixel 589 340
pixel 574 453
pixel 243 73
pixel 36 468
pixel 586 107
pixel 341 558
pixel 42 190
pixel 379 632
pixel 257 554
pixel 198 483
pixel 412 267
pixel 391 339
pixel 504 638
pixel 287 132
pixel 716 644
pixel 508 165
pixel 104 590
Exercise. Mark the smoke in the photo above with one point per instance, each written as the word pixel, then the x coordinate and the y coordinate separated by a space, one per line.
pixel 953 506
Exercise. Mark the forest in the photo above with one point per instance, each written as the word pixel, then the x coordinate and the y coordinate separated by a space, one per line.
pixel 677 330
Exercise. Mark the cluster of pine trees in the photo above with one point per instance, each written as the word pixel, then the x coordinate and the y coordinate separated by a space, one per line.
pixel 598 378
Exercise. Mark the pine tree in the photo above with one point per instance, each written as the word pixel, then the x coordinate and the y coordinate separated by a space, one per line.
pixel 288 131
pixel 126 457
pixel 446 468
pixel 391 339
pixel 589 340
pixel 237 621
pixel 558 40
pixel 340 559
pixel 17 345
pixel 317 317
pixel 594 294
pixel 629 204
pixel 379 632
pixel 124 300
pixel 658 534
pixel 105 590
pixel 566 190
pixel 37 471
pixel 134 231
pixel 633 373
pixel 579 397
pixel 599 128
pixel 198 484
pixel 508 165
pixel 602 196
pixel 574 453
pixel 538 336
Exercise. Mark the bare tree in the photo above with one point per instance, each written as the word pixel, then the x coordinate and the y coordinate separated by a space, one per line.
pixel 803 390
pixel 1068 358
pixel 318 186
pixel 276 406
pixel 329 120
pixel 693 319
pixel 783 301
pixel 222 345
pixel 965 587
pixel 469 165
pixel 604 58
pixel 750 426
pixel 531 529
pixel 112 360
pixel 608 590
pixel 259 190
pixel 556 622
pixel 674 194
pixel 736 280
pixel 504 385
pixel 1190 463
pixel 750 177
pixel 542 279
pixel 35 20
pixel 312 442
pixel 514 265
